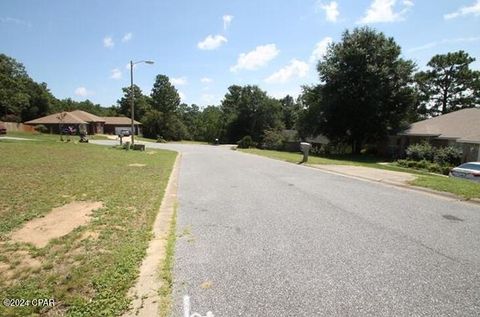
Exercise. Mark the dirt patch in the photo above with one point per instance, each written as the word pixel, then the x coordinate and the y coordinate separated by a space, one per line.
pixel 137 165
pixel 93 235
pixel 19 265
pixel 57 223
pixel 27 261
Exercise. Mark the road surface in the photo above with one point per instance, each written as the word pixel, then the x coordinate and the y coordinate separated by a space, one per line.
pixel 260 237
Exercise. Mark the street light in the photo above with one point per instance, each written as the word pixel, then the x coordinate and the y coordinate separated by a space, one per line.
pixel 133 95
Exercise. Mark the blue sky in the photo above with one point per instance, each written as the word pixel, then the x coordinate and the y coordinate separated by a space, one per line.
pixel 81 48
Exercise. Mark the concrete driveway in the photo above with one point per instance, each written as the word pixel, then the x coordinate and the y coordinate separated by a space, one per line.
pixel 260 237
pixel 373 174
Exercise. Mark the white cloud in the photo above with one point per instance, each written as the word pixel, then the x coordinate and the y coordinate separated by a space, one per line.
pixel 444 41
pixel 116 74
pixel 108 42
pixel 183 97
pixel 331 10
pixel 320 49
pixel 212 42
pixel 257 58
pixel 206 80
pixel 296 69
pixel 381 11
pixel 227 19
pixel 179 81
pixel 463 11
pixel 15 21
pixel 127 37
pixel 83 92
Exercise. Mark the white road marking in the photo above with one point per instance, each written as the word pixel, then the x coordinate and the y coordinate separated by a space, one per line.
pixel 186 309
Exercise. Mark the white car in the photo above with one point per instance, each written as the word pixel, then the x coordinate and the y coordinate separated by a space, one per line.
pixel 469 171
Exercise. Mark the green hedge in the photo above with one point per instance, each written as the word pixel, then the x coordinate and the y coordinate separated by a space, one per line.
pixel 246 142
pixel 426 166
pixel 444 156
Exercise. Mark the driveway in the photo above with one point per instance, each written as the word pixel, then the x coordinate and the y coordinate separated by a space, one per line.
pixel 260 237
pixel 373 174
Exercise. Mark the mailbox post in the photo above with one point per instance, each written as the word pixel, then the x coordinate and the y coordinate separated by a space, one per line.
pixel 305 148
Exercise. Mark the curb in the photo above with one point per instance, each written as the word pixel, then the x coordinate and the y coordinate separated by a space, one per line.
pixel 475 201
pixel 144 293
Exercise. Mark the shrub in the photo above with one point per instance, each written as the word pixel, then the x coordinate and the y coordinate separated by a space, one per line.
pixel 41 128
pixel 421 151
pixel 425 165
pixel 435 168
pixel 246 142
pixel 448 156
pixel 272 140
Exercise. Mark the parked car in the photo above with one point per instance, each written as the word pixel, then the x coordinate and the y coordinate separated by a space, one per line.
pixel 469 171
pixel 125 133
pixel 3 128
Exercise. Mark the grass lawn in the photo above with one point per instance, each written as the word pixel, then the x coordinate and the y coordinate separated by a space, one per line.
pixel 89 271
pixel 459 187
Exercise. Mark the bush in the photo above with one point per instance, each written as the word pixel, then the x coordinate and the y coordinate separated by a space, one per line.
pixel 41 128
pixel 422 151
pixel 448 156
pixel 246 142
pixel 425 165
pixel 272 140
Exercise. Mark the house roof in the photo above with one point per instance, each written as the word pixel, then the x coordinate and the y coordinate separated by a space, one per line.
pixel 56 118
pixel 462 125
pixel 119 121
pixel 86 116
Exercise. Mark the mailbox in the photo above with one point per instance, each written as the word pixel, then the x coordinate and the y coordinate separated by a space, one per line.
pixel 305 148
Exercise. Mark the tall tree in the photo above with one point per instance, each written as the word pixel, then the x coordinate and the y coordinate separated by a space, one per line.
pixel 211 125
pixel 311 119
pixel 448 85
pixel 141 103
pixel 165 97
pixel 20 97
pixel 367 88
pixel 249 111
pixel 190 116
pixel 163 120
pixel 290 111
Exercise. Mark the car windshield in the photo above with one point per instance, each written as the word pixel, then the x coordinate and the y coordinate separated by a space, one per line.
pixel 470 166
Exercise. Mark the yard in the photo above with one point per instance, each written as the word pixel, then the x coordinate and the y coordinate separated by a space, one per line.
pixel 463 188
pixel 88 271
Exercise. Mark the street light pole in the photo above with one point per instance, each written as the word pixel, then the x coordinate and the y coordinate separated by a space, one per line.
pixel 132 103
pixel 132 97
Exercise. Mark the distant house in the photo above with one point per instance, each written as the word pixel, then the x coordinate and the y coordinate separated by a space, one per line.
pixel 82 120
pixel 113 124
pixel 460 129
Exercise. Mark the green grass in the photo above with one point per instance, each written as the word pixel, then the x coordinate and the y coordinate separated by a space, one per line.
pixel 166 276
pixel 459 187
pixel 86 277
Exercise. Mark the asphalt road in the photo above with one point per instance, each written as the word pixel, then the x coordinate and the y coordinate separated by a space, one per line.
pixel 260 237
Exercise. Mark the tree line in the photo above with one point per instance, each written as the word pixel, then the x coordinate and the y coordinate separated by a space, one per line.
pixel 366 91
